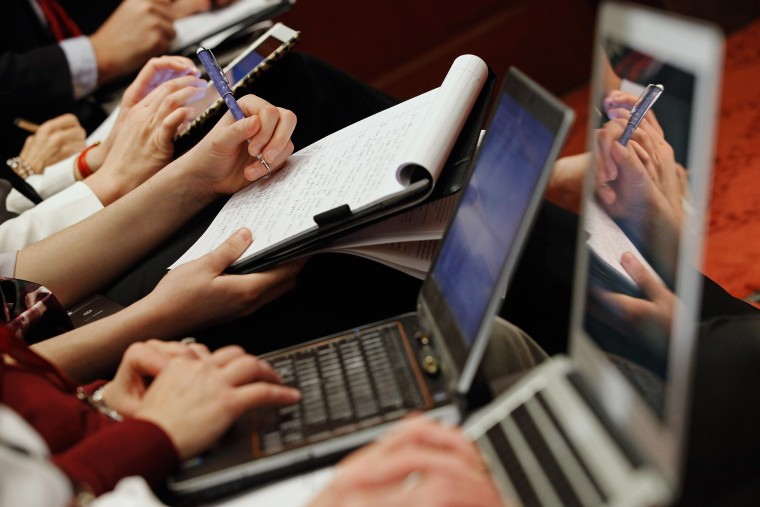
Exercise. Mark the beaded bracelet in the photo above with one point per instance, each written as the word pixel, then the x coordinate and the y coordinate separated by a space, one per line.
pixel 20 167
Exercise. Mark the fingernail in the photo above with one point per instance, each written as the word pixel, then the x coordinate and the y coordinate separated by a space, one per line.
pixel 244 234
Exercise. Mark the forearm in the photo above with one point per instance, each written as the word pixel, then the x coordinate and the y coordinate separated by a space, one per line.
pixel 81 259
pixel 103 459
pixel 94 351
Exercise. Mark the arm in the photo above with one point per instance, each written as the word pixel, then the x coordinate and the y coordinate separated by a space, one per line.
pixel 96 250
pixel 62 210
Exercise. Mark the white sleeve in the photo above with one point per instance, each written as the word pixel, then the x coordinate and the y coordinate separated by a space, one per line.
pixel 66 208
pixel 55 178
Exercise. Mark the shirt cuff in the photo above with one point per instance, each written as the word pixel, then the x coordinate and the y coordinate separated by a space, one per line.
pixel 82 63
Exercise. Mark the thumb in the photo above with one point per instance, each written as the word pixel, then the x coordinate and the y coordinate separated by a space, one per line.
pixel 232 248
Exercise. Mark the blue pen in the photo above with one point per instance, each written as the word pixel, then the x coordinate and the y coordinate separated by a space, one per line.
pixel 643 105
pixel 219 79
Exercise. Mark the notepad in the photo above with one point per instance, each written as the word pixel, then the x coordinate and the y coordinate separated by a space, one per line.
pixel 376 167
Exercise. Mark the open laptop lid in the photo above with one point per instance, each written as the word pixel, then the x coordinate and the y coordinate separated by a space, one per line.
pixel 484 239
pixel 642 378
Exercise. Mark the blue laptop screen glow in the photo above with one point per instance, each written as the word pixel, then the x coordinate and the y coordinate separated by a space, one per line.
pixel 494 203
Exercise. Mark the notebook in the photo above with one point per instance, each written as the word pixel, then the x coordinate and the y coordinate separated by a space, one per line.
pixel 357 383
pixel 606 425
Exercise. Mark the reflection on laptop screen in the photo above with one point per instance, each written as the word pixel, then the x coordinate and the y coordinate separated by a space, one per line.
pixel 480 237
pixel 636 217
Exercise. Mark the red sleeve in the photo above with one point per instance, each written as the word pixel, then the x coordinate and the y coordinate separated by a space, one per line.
pixel 130 447
pixel 90 448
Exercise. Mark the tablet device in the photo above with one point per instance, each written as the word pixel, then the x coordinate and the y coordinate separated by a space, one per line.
pixel 246 67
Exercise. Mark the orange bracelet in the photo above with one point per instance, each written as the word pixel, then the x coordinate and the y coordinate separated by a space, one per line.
pixel 84 169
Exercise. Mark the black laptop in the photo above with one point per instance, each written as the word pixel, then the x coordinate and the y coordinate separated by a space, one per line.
pixel 356 384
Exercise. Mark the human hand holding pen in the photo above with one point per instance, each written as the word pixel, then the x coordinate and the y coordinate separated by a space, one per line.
pixel 640 109
pixel 53 141
pixel 224 163
pixel 218 77
pixel 646 194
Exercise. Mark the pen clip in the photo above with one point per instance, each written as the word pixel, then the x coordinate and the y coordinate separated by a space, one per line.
pixel 647 99
pixel 640 109
pixel 216 63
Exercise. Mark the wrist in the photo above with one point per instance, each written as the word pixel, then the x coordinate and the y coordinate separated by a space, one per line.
pixel 20 166
pixel 107 69
pixel 82 164
pixel 97 401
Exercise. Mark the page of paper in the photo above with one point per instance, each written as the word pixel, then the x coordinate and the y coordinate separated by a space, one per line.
pixel 424 222
pixel 441 127
pixel 609 242
pixel 193 29
pixel 411 257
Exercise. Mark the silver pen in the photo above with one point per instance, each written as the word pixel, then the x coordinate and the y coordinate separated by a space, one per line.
pixel 643 105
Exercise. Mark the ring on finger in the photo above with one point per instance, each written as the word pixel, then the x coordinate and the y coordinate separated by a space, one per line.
pixel 260 158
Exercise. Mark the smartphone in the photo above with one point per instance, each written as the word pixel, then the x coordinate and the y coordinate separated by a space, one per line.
pixel 252 60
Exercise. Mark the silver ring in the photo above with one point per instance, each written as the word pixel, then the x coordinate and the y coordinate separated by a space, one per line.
pixel 260 158
pixel 187 341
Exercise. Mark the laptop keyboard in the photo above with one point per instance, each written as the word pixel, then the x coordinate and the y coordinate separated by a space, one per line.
pixel 347 383
pixel 522 449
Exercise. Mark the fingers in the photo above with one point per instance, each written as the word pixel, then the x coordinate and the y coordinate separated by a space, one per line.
pixel 271 140
pixel 226 253
pixel 245 369
pixel 65 121
pixel 155 72
pixel 174 93
pixel 649 283
pixel 420 432
pixel 262 394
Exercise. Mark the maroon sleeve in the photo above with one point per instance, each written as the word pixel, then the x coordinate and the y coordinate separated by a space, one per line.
pixel 130 447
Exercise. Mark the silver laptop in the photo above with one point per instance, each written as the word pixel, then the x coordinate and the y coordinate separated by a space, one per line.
pixel 606 425
pixel 357 383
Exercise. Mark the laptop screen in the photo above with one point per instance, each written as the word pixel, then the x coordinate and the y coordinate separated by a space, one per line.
pixel 637 295
pixel 496 209
pixel 490 213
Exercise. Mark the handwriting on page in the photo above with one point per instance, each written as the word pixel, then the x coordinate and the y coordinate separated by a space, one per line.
pixel 355 166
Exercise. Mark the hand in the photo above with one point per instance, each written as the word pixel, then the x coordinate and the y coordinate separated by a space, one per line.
pixel 145 142
pixel 137 30
pixel 194 400
pixel 653 150
pixel 198 294
pixel 419 463
pixel 642 188
pixel 565 186
pixel 156 72
pixel 651 317
pixel 182 8
pixel 221 163
pixel 55 140
pixel 142 362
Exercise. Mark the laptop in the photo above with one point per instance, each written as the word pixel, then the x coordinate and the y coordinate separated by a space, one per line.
pixel 606 425
pixel 356 384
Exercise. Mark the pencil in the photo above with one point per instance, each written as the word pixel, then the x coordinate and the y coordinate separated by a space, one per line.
pixel 27 125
